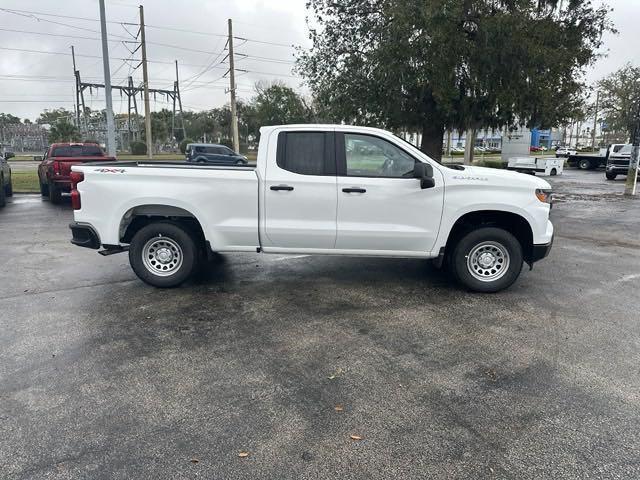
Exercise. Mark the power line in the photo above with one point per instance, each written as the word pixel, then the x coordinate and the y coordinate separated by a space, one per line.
pixel 264 42
pixel 258 58
pixel 57 15
pixel 32 15
pixel 184 30
pixel 95 56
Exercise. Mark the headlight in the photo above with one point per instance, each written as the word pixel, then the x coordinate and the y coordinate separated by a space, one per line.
pixel 544 195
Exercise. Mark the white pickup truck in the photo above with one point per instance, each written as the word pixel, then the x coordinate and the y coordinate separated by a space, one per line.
pixel 316 189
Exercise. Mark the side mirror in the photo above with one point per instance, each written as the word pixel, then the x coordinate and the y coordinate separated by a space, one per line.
pixel 424 172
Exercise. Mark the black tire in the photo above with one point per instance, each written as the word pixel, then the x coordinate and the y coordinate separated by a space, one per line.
pixel 611 175
pixel 487 240
pixel 241 162
pixel 584 164
pixel 9 188
pixel 55 194
pixel 553 172
pixel 44 189
pixel 3 199
pixel 184 251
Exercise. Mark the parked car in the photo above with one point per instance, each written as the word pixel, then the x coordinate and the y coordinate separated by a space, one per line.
pixel 535 149
pixel 6 189
pixel 311 194
pixel 565 152
pixel 213 153
pixel 55 169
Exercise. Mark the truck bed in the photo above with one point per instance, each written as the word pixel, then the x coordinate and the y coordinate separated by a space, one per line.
pixel 223 198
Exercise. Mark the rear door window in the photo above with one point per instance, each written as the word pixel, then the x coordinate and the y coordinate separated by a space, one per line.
pixel 307 153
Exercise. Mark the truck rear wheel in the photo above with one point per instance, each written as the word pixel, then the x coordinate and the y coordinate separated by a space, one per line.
pixel 55 194
pixel 163 254
pixel 611 175
pixel 44 189
pixel 584 164
pixel 487 260
pixel 9 189
pixel 3 200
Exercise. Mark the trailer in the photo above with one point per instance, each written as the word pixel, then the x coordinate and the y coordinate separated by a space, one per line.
pixel 533 165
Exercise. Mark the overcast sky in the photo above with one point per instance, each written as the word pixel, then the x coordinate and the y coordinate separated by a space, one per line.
pixel 31 81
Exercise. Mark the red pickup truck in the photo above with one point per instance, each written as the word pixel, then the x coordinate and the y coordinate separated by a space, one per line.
pixel 54 172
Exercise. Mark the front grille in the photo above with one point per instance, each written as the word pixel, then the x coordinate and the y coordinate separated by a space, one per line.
pixel 623 162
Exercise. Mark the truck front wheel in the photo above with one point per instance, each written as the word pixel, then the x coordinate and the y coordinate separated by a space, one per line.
pixel 488 259
pixel 611 175
pixel 163 254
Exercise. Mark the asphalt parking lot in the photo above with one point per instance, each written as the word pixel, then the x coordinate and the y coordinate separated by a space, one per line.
pixel 286 358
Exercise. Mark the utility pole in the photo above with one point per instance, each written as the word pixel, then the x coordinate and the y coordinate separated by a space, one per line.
pixel 75 76
pixel 111 131
pixel 232 89
pixel 145 81
pixel 595 122
pixel 632 174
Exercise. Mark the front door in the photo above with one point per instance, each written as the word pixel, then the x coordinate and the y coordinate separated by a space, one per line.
pixel 381 207
pixel 300 192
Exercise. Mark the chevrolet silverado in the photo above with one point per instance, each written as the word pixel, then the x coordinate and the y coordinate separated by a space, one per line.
pixel 316 189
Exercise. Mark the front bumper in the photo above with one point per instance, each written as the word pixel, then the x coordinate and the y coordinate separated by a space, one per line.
pixel 83 235
pixel 540 251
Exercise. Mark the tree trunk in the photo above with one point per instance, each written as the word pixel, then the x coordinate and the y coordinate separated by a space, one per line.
pixel 432 137
pixel 469 146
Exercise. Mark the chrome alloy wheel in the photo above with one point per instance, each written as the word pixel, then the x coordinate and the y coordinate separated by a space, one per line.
pixel 162 256
pixel 488 261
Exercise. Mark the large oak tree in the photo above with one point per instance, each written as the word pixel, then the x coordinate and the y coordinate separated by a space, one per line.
pixel 432 65
pixel 620 98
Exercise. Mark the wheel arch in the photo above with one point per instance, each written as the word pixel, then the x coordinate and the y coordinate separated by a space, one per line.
pixel 512 222
pixel 139 216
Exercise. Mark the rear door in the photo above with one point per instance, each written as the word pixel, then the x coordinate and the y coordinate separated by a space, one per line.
pixel 381 207
pixel 300 192
pixel 216 154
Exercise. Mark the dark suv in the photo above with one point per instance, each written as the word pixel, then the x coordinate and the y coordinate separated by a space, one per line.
pixel 213 153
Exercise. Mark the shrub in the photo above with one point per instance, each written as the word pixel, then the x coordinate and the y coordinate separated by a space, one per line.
pixel 184 143
pixel 492 164
pixel 138 148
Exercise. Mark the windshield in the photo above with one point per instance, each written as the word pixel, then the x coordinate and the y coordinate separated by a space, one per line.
pixel 77 151
pixel 625 149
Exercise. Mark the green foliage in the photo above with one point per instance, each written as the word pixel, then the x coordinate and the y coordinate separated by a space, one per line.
pixel 620 99
pixel 184 143
pixel 277 104
pixel 138 148
pixel 63 131
pixel 450 64
pixel 54 116
pixel 8 119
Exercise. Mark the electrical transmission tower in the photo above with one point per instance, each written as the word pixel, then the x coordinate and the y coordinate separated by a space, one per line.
pixel 131 128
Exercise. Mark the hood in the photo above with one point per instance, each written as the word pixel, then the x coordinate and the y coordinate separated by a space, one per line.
pixel 501 176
